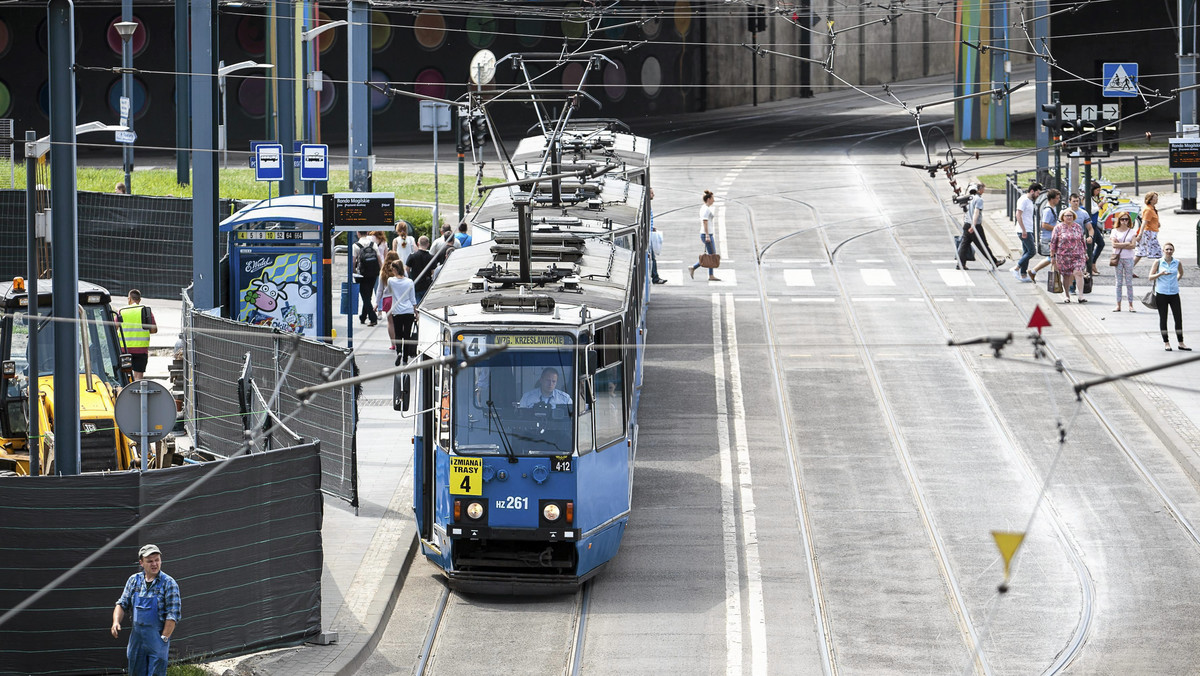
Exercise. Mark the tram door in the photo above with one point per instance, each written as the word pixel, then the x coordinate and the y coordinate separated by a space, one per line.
pixel 425 461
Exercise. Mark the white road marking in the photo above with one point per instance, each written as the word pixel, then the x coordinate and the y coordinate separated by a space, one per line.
pixel 813 300
pixel 876 277
pixel 754 591
pixel 868 260
pixel 673 277
pixel 733 591
pixel 916 300
pixel 944 300
pixel 874 299
pixel 723 236
pixel 944 262
pixel 798 261
pixel 987 300
pixel 798 278
pixel 955 277
pixel 727 276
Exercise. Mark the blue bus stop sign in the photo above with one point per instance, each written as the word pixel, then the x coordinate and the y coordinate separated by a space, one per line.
pixel 1120 79
pixel 268 162
pixel 314 162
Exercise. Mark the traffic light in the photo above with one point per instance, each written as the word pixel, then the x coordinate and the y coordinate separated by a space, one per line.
pixel 1053 121
pixel 464 132
pixel 1110 137
pixel 756 20
pixel 1089 139
pixel 479 130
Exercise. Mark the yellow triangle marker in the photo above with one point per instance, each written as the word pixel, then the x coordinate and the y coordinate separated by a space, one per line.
pixel 1008 543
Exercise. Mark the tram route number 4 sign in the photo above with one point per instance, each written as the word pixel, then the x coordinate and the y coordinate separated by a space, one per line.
pixel 466 476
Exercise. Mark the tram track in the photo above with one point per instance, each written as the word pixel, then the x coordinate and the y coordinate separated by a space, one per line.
pixel 971 634
pixel 1071 547
pixel 456 615
pixel 1114 434
pixel 899 445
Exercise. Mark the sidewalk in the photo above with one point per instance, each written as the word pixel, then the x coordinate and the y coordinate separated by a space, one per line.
pixel 366 556
pixel 1124 341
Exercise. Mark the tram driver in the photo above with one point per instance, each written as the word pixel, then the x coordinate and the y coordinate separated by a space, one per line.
pixel 546 392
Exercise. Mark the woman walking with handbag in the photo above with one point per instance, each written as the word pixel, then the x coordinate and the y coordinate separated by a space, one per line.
pixel 402 316
pixel 708 231
pixel 1124 238
pixel 385 298
pixel 1166 273
pixel 1147 242
pixel 1069 254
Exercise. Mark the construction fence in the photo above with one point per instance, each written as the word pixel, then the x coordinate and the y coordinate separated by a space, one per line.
pixel 244 546
pixel 226 361
pixel 125 241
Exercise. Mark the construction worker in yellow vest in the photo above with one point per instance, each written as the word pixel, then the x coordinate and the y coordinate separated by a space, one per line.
pixel 137 323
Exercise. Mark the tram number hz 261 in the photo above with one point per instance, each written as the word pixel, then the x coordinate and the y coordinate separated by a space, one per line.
pixel 513 502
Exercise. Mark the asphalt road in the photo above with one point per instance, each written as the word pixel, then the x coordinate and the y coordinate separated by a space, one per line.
pixel 820 474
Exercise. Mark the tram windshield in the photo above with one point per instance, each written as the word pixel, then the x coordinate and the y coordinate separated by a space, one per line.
pixel 520 402
pixel 100 341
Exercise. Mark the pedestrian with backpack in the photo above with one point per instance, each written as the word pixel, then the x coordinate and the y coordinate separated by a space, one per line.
pixel 368 260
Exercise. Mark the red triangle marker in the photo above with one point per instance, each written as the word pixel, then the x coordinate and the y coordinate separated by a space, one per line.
pixel 1038 319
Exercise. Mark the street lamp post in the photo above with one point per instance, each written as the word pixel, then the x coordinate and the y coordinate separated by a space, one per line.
pixel 222 71
pixel 126 28
pixel 314 79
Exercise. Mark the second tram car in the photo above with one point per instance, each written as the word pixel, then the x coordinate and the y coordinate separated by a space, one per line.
pixel 524 459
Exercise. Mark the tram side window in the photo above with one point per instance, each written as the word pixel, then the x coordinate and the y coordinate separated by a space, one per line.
pixel 609 410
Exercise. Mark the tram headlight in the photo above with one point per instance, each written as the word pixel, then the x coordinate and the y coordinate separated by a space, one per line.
pixel 474 510
pixel 551 512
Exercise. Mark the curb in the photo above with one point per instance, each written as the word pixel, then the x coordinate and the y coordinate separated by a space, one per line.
pixel 381 609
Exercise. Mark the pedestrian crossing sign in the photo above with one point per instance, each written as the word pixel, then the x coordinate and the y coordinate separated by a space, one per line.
pixel 1120 79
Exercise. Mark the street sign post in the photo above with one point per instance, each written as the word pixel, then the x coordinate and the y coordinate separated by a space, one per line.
pixel 314 162
pixel 268 162
pixel 435 117
pixel 1120 79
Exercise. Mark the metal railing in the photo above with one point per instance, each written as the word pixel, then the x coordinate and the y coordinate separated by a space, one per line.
pixel 1016 182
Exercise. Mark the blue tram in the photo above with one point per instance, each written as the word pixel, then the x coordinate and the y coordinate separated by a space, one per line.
pixel 524 460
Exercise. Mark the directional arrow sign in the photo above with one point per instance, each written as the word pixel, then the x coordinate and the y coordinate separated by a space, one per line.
pixel 1070 113
pixel 1110 111
pixel 1089 112
pixel 1120 79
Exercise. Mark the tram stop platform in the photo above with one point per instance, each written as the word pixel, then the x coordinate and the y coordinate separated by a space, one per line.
pixel 1166 401
pixel 366 556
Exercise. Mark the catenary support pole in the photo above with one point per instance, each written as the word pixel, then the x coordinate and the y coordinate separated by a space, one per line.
pixel 285 74
pixel 65 256
pixel 358 51
pixel 31 282
pixel 206 183
pixel 1187 98
pixel 183 66
pixel 127 92
pixel 1041 33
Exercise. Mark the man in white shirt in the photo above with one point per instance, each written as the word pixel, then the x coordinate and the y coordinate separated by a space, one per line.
pixel 546 392
pixel 1026 221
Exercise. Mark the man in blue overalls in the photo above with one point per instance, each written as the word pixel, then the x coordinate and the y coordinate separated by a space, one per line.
pixel 153 598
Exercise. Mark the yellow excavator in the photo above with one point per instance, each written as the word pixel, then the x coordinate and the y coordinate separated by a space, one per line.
pixel 103 370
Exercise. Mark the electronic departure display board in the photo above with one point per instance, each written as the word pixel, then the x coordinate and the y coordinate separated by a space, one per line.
pixel 360 210
pixel 1184 155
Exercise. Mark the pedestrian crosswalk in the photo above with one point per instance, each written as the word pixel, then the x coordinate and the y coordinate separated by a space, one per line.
pixel 864 284
pixel 798 278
